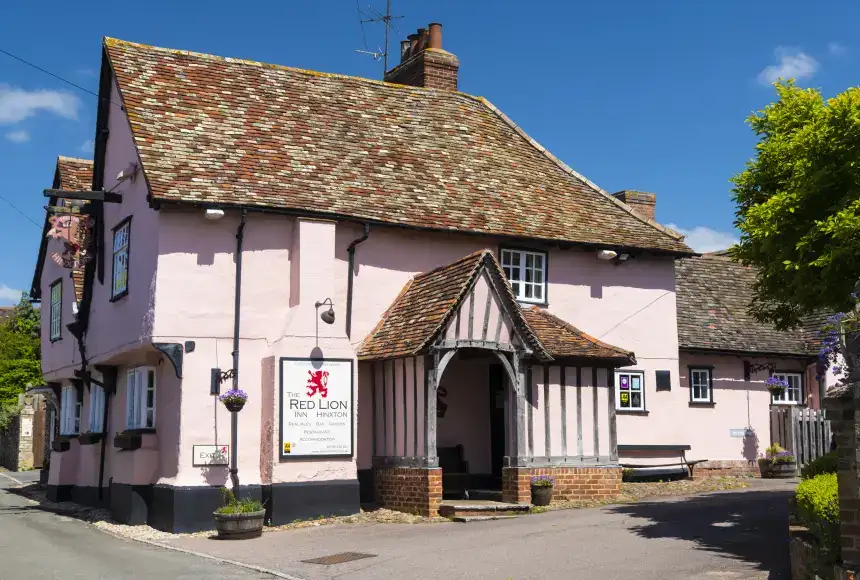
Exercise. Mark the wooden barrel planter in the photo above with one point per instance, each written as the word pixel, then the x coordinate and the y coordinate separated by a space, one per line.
pixel 783 470
pixel 239 526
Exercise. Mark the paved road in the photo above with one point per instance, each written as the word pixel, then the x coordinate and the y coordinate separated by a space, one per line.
pixel 36 545
pixel 731 535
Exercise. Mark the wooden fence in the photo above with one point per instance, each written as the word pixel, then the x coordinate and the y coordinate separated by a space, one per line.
pixel 804 432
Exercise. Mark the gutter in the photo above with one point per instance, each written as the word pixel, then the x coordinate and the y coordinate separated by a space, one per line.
pixel 350 250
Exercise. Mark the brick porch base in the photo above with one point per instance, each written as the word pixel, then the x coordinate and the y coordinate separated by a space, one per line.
pixel 571 483
pixel 734 468
pixel 414 490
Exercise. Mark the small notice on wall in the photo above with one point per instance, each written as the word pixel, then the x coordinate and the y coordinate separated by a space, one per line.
pixel 211 455
pixel 740 433
pixel 316 408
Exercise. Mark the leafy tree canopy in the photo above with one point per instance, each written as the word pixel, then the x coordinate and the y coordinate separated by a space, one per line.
pixel 20 356
pixel 799 204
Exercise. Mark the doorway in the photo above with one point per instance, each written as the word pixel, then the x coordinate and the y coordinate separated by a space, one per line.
pixel 498 412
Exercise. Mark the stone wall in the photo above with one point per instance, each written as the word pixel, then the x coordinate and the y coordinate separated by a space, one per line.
pixel 806 560
pixel 415 490
pixel 17 441
pixel 571 483
pixel 732 468
pixel 9 444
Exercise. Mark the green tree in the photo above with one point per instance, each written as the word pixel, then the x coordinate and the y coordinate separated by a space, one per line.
pixel 798 204
pixel 20 360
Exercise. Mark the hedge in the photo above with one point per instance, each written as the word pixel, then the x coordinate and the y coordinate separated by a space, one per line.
pixel 825 464
pixel 818 509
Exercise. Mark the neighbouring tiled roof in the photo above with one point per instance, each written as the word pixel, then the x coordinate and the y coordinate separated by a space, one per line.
pixel 714 294
pixel 428 301
pixel 562 339
pixel 75 175
pixel 223 131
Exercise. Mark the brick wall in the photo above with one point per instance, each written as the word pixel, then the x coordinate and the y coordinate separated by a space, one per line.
pixel 844 421
pixel 414 490
pixel 571 483
pixel 733 468
pixel 430 68
pixel 806 560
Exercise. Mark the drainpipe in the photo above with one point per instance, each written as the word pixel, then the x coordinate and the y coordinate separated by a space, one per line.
pixel 234 416
pixel 350 250
pixel 104 439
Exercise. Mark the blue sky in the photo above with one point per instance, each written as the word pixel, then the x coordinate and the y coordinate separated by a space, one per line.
pixel 635 95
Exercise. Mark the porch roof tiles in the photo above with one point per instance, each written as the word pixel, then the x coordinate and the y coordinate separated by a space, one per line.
pixel 563 340
pixel 221 131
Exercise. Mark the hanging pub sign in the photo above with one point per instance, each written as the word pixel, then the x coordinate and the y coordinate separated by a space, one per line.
pixel 317 408
pixel 74 231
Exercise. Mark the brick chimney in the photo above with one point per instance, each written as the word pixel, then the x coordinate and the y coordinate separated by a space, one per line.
pixel 423 63
pixel 642 202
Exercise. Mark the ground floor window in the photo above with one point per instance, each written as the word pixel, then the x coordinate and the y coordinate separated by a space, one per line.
pixel 140 398
pixel 70 412
pixel 793 395
pixel 701 386
pixel 97 408
pixel 630 390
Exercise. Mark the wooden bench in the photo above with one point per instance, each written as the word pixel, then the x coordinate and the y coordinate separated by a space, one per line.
pixel 681 449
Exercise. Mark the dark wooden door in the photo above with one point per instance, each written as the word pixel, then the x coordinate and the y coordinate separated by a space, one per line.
pixel 498 402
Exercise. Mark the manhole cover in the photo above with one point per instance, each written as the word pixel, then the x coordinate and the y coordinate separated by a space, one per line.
pixel 339 558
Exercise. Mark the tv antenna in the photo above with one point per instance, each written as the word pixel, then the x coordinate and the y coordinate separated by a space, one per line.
pixel 375 16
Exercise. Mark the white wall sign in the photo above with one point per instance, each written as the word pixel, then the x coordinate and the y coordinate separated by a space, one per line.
pixel 316 408
pixel 739 433
pixel 210 455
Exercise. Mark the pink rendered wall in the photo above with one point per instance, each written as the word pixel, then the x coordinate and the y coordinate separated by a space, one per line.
pixel 467 420
pixel 61 357
pixel 737 405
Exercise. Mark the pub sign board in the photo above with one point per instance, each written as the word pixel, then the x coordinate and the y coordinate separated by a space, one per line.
pixel 317 408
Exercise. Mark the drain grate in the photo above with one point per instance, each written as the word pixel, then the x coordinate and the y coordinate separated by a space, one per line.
pixel 341 558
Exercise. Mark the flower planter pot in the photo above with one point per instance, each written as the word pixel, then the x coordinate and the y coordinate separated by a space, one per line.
pixel 127 441
pixel 764 467
pixel 783 470
pixel 775 392
pixel 541 495
pixel 89 438
pixel 61 444
pixel 239 526
pixel 234 406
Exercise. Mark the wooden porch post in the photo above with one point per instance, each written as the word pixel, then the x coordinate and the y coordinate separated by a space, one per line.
pixel 519 412
pixel 430 411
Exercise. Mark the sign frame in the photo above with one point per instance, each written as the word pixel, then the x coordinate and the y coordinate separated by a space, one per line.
pixel 194 462
pixel 287 457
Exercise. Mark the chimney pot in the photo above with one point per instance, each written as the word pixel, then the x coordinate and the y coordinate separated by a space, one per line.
pixel 413 44
pixel 435 35
pixel 422 39
pixel 404 49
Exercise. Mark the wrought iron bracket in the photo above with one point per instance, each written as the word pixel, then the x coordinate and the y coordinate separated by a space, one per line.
pixel 173 351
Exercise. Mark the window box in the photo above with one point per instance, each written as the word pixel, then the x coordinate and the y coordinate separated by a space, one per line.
pixel 61 444
pixel 90 438
pixel 128 440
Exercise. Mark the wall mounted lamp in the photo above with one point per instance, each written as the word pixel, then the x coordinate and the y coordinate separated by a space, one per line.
pixel 328 315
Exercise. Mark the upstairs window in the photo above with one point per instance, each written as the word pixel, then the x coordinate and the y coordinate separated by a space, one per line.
pixel 793 395
pixel 121 242
pixel 701 387
pixel 630 391
pixel 97 408
pixel 526 271
pixel 70 411
pixel 140 398
pixel 56 317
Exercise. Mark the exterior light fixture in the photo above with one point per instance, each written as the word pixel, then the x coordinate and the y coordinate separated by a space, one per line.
pixel 606 254
pixel 328 315
pixel 623 257
pixel 214 214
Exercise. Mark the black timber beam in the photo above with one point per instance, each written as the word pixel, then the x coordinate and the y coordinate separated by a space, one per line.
pixel 105 196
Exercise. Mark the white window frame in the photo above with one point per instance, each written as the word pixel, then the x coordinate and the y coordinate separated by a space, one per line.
pixel 518 274
pixel 55 318
pixel 139 406
pixel 632 376
pixel 97 409
pixel 785 397
pixel 121 245
pixel 706 390
pixel 70 411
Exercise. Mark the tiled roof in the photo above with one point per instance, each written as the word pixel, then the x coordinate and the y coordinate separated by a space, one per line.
pixel 222 131
pixel 75 175
pixel 565 340
pixel 428 301
pixel 714 294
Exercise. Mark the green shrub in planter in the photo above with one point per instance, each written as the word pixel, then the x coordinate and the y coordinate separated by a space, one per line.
pixel 824 464
pixel 818 509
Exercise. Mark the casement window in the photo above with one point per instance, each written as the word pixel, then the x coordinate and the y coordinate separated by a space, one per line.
pixel 56 314
pixel 70 411
pixel 140 398
pixel 701 385
pixel 630 390
pixel 793 395
pixel 526 271
pixel 121 242
pixel 97 408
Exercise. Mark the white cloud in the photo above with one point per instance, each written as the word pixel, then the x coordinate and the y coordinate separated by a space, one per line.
pixel 18 104
pixel 704 239
pixel 87 146
pixel 837 49
pixel 18 136
pixel 9 295
pixel 793 64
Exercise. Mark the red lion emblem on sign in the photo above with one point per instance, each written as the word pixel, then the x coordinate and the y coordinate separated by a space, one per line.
pixel 317 383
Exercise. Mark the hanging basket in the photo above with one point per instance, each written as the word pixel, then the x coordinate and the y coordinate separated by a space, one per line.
pixel 234 405
pixel 776 391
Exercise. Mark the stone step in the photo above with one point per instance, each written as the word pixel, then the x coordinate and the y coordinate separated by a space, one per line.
pixel 467 519
pixel 484 494
pixel 481 508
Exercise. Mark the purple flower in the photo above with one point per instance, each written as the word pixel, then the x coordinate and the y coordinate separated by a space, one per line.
pixel 542 481
pixel 776 383
pixel 234 395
